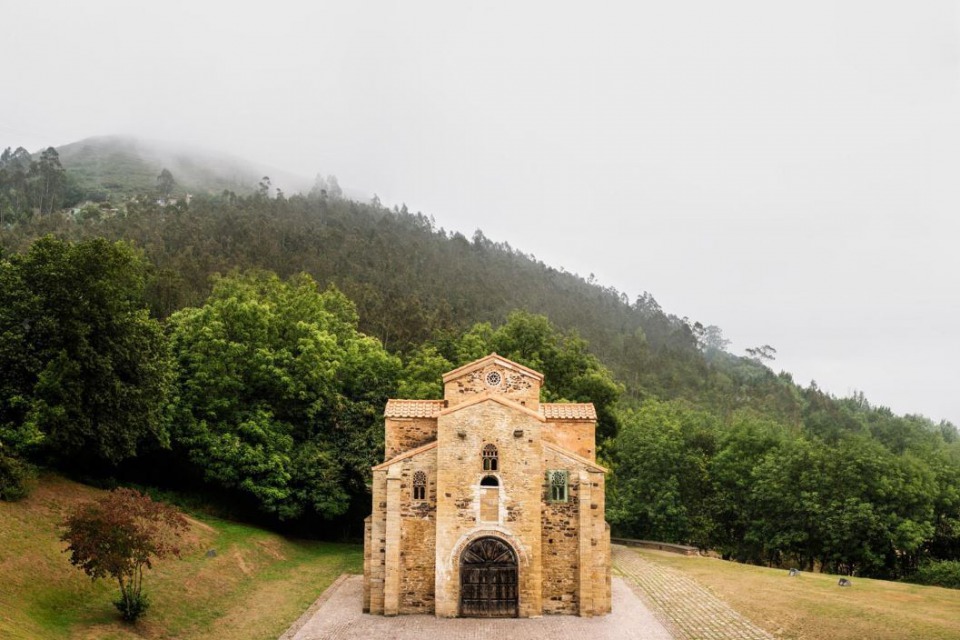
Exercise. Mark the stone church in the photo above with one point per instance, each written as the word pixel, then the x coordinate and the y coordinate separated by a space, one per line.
pixel 489 503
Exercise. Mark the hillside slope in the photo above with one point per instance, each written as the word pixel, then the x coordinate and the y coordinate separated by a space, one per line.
pixel 255 586
pixel 123 166
pixel 813 607
pixel 697 428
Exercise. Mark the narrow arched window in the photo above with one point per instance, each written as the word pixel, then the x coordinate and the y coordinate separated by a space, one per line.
pixel 419 486
pixel 490 457
pixel 558 481
pixel 489 481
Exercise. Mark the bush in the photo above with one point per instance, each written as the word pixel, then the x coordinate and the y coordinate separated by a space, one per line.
pixel 15 476
pixel 133 606
pixel 938 573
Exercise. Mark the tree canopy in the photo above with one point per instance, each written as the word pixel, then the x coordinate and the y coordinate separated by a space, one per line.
pixel 119 536
pixel 280 396
pixel 84 370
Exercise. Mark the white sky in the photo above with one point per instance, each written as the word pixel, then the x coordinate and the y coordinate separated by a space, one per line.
pixel 787 171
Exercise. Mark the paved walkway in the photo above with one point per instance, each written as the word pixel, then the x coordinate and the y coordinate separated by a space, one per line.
pixel 650 602
pixel 340 618
pixel 691 612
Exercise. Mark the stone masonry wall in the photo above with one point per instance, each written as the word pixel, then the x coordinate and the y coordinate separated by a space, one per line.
pixel 418 530
pixel 578 436
pixel 374 560
pixel 514 385
pixel 461 437
pixel 404 434
pixel 594 546
pixel 561 541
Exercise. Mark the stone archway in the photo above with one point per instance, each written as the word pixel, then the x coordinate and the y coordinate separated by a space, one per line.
pixel 488 579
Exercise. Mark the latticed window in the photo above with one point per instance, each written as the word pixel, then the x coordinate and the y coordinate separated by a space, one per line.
pixel 490 457
pixel 419 486
pixel 557 482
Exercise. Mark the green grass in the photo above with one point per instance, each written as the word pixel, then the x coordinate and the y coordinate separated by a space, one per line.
pixel 255 587
pixel 813 607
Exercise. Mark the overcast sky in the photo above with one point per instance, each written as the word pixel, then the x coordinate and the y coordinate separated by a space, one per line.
pixel 786 171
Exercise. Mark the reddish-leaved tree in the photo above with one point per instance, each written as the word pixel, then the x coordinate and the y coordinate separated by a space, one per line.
pixel 119 536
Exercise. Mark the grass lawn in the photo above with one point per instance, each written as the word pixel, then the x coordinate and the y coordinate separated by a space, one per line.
pixel 813 607
pixel 255 587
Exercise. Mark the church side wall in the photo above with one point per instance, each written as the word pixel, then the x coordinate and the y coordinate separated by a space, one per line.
pixel 560 541
pixel 578 436
pixel 600 545
pixel 367 531
pixel 418 533
pixel 404 434
pixel 376 557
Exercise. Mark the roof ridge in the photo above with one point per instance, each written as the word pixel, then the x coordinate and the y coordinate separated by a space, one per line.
pixel 573 456
pixel 403 456
pixel 483 396
pixel 507 362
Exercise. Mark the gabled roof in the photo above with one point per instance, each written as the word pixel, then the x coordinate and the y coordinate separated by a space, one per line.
pixel 493 358
pixel 413 408
pixel 405 455
pixel 569 411
pixel 493 397
pixel 589 464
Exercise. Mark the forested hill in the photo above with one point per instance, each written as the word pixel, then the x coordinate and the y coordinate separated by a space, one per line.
pixel 413 282
pixel 119 167
pixel 269 387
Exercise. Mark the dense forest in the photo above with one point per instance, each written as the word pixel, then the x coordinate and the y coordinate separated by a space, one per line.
pixel 245 345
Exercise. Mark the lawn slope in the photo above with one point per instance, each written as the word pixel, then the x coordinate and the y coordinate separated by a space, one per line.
pixel 812 606
pixel 256 585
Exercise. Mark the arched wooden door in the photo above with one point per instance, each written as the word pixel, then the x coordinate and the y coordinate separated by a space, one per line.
pixel 488 580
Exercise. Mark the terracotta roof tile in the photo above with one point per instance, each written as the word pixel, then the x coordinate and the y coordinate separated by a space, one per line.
pixel 413 408
pixel 569 411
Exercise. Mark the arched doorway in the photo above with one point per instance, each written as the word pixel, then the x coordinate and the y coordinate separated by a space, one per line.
pixel 488 579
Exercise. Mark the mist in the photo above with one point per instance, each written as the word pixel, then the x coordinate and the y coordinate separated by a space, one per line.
pixel 787 173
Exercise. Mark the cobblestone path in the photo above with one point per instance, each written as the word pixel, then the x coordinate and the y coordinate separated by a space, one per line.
pixel 337 616
pixel 692 612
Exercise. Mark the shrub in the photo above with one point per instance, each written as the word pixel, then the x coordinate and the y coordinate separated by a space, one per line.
pixel 15 476
pixel 131 607
pixel 938 573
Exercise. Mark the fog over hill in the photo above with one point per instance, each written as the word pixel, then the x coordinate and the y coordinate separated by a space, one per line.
pixel 128 165
pixel 786 171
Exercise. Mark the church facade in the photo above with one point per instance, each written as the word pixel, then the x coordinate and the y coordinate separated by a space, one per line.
pixel 490 503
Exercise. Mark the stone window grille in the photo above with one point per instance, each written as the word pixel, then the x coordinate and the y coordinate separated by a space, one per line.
pixel 489 455
pixel 557 482
pixel 419 486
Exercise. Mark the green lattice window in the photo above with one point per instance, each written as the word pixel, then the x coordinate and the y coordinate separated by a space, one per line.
pixel 557 482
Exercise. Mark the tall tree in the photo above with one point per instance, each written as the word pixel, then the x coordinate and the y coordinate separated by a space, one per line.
pixel 165 183
pixel 49 178
pixel 81 361
pixel 281 396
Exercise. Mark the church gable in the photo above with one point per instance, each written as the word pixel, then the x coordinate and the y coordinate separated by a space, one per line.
pixel 493 374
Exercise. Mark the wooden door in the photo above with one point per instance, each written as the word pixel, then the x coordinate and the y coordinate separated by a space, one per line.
pixel 488 580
